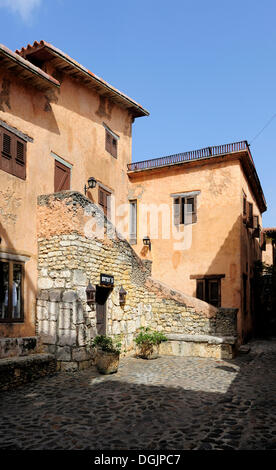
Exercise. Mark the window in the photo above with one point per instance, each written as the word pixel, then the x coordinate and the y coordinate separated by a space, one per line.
pixel 185 210
pixel 13 153
pixel 62 177
pixel 133 222
pixel 104 201
pixel 11 291
pixel 208 288
pixel 111 143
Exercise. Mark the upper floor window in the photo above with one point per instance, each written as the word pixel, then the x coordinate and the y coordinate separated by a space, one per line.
pixel 185 208
pixel 111 142
pixel 13 153
pixel 11 291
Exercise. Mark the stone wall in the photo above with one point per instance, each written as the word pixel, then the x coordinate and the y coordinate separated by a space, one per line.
pixel 70 256
pixel 10 347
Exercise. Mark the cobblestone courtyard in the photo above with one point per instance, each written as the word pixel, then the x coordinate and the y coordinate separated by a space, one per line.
pixel 167 403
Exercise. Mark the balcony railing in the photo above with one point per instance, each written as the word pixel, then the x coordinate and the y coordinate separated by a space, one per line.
pixel 207 152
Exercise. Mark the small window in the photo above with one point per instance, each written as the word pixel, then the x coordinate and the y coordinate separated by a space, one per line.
pixel 11 291
pixel 111 143
pixel 209 290
pixel 104 201
pixel 185 210
pixel 133 222
pixel 13 153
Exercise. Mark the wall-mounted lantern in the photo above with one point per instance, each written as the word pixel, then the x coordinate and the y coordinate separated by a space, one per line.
pixel 90 294
pixel 91 184
pixel 147 242
pixel 122 296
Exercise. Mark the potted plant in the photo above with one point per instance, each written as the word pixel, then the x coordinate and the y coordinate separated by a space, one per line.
pixel 107 353
pixel 148 342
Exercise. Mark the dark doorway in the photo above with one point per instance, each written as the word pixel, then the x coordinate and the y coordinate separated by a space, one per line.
pixel 102 294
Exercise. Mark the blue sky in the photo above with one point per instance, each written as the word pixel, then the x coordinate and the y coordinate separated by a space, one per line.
pixel 204 70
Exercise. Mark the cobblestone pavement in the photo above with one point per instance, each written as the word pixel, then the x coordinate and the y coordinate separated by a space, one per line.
pixel 167 403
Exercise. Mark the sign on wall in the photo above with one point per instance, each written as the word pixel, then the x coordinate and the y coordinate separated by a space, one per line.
pixel 107 280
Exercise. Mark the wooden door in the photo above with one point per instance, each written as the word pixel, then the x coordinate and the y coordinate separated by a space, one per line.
pixel 62 177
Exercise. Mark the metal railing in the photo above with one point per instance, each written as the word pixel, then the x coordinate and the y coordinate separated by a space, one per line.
pixel 206 152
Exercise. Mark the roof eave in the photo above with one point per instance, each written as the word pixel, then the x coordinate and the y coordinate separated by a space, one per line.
pixel 26 70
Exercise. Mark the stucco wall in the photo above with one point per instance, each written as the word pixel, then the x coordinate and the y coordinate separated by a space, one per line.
pixel 216 243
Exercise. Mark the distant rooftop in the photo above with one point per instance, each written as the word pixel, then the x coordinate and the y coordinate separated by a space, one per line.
pixel 207 152
pixel 240 149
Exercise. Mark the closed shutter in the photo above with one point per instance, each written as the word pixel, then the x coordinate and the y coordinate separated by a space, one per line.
pixel 62 177
pixel 176 210
pixel 13 154
pixel 6 152
pixel 20 159
pixel 108 138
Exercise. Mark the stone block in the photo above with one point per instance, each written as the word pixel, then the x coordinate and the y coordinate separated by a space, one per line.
pixel 44 283
pixel 79 278
pixel 63 353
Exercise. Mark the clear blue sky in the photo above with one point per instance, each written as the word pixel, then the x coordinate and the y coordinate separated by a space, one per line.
pixel 204 69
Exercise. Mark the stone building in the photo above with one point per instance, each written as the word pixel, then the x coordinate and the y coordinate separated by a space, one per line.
pixel 70 206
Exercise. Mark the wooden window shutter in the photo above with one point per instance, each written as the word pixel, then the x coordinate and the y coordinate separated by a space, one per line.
pixel 108 138
pixel 62 177
pixel 6 152
pixel 214 292
pixel 103 200
pixel 176 210
pixel 19 163
pixel 200 289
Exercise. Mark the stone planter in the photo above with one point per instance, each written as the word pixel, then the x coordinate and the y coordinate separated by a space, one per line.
pixel 146 351
pixel 107 362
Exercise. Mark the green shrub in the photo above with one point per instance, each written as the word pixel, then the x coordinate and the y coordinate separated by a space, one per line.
pixel 106 343
pixel 146 336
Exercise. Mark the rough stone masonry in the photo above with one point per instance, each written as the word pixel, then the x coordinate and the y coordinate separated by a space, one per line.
pixel 69 258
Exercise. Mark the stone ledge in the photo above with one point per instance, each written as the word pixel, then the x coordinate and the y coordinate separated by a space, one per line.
pixel 202 339
pixel 15 371
pixel 25 361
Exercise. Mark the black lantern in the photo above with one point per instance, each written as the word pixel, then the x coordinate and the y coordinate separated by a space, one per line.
pixel 122 296
pixel 90 294
pixel 147 242
pixel 91 184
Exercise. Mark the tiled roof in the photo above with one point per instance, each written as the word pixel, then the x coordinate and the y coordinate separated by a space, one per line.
pixel 72 67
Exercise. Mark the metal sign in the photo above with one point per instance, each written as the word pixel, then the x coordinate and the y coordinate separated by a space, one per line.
pixel 107 280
